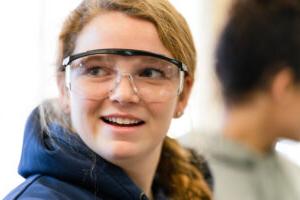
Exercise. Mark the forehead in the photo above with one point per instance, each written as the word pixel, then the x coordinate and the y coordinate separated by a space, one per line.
pixel 117 30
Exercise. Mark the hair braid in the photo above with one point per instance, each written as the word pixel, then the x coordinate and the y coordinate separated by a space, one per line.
pixel 179 175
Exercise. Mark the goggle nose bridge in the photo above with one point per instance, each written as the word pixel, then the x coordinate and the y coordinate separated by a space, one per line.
pixel 118 81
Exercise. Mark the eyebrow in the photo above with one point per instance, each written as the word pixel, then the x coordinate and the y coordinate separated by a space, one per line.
pixel 96 57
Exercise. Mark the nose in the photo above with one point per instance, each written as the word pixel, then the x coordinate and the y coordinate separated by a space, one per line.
pixel 124 90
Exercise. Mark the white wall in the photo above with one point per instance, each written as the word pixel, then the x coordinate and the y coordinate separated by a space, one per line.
pixel 27 46
pixel 19 40
pixel 27 50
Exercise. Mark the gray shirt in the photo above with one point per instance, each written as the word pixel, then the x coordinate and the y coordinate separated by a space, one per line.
pixel 241 174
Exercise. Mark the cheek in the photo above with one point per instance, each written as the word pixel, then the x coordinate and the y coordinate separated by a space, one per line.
pixel 296 118
pixel 290 119
pixel 162 114
pixel 83 116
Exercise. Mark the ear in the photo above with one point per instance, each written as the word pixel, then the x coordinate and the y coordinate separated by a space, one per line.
pixel 184 96
pixel 282 86
pixel 64 98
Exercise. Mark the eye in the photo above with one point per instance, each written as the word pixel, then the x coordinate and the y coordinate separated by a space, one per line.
pixel 96 71
pixel 152 73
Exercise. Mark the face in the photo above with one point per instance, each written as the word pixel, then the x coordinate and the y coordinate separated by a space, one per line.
pixel 111 141
pixel 290 114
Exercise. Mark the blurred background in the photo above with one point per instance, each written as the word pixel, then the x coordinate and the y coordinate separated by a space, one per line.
pixel 28 44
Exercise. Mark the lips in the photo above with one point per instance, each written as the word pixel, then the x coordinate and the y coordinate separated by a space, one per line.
pixel 123 121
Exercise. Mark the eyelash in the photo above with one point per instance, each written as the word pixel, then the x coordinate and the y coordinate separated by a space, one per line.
pixel 97 70
pixel 158 73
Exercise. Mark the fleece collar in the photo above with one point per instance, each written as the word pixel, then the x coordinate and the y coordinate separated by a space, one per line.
pixel 63 155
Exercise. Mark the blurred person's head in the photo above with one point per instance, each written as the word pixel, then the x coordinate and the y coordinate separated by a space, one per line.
pixel 258 61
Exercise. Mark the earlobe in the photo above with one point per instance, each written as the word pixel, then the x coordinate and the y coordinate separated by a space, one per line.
pixel 178 114
pixel 184 97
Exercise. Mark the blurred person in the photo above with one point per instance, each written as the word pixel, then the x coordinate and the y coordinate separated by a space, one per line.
pixel 125 69
pixel 258 65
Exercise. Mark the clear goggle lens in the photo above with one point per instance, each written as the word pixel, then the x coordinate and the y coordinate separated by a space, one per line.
pixel 96 76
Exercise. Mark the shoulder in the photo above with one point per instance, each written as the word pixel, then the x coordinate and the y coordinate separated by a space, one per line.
pixel 291 171
pixel 286 161
pixel 290 167
pixel 44 187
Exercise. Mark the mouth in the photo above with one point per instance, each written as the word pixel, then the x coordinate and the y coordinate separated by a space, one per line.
pixel 122 121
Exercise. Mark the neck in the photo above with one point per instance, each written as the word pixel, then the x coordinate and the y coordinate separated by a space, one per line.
pixel 251 125
pixel 142 170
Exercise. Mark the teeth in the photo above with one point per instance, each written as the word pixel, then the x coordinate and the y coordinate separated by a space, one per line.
pixel 122 121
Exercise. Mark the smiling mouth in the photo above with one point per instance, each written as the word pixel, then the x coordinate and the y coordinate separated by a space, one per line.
pixel 123 122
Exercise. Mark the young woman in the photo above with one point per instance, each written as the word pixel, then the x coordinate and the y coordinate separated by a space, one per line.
pixel 258 65
pixel 125 69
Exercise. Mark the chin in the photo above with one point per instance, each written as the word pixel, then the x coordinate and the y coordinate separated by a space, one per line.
pixel 122 152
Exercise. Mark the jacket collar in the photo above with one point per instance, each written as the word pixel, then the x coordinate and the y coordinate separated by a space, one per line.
pixel 63 155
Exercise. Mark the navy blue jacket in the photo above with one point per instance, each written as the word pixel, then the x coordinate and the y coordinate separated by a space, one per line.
pixel 57 165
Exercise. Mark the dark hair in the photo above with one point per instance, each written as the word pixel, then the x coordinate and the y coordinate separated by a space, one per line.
pixel 260 38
